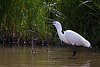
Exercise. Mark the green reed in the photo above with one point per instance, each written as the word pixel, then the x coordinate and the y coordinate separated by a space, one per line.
pixel 23 19
pixel 92 17
pixel 81 16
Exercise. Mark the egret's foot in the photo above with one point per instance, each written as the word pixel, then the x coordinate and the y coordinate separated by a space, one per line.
pixel 73 56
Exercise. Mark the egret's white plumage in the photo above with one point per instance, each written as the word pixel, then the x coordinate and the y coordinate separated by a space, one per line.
pixel 75 38
pixel 71 37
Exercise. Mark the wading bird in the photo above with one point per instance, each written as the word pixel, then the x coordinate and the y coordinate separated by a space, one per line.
pixel 70 37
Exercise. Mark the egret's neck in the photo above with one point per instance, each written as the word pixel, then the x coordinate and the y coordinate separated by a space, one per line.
pixel 62 37
pixel 60 34
pixel 59 30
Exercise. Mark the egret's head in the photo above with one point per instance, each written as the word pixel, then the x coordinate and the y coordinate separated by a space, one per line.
pixel 57 25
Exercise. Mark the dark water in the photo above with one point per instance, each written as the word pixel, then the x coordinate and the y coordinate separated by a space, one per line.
pixel 48 57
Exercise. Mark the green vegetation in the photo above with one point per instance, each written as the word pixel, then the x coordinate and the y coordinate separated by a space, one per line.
pixel 22 19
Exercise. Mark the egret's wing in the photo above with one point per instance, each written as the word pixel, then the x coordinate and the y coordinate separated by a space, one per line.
pixel 73 37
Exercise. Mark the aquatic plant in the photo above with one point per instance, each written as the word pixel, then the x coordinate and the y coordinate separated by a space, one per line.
pixel 81 16
pixel 92 18
pixel 22 19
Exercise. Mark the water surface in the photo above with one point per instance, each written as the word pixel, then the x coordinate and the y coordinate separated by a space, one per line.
pixel 48 57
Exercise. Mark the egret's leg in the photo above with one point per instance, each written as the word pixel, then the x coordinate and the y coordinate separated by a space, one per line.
pixel 74 51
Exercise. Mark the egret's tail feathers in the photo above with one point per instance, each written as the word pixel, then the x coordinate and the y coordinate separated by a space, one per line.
pixel 86 43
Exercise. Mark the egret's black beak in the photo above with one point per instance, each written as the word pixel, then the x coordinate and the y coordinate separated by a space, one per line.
pixel 49 23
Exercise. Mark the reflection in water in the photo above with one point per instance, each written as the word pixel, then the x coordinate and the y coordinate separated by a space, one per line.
pixel 44 57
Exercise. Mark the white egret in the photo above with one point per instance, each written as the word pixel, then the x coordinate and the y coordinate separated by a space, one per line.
pixel 70 37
